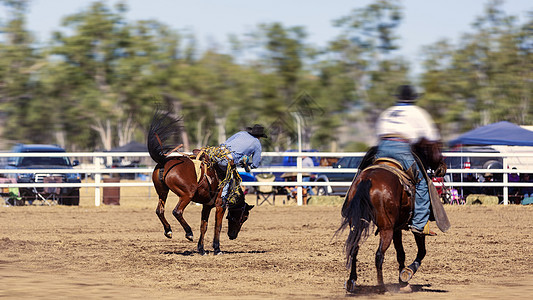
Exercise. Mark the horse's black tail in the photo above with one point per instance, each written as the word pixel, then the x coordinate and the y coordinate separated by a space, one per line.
pixel 359 214
pixel 164 134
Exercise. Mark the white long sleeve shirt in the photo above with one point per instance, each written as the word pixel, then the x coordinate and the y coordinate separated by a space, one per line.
pixel 407 121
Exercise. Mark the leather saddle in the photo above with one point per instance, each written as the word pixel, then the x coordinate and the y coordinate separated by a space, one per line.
pixel 407 178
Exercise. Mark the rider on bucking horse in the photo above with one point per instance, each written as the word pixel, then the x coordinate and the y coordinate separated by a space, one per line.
pixel 244 149
pixel 399 127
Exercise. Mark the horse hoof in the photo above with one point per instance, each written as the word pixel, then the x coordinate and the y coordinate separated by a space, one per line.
pixel 406 274
pixel 168 234
pixel 406 289
pixel 218 252
pixel 350 286
pixel 201 252
pixel 189 237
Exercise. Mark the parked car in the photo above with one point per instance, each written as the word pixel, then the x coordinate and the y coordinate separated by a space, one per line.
pixel 343 163
pixel 67 195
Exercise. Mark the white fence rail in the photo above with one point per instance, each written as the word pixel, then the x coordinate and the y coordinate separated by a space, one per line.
pixel 97 168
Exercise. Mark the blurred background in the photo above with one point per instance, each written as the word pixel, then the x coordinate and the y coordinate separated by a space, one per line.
pixel 86 75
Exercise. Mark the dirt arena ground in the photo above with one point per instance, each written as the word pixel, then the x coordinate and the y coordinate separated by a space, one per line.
pixel 283 252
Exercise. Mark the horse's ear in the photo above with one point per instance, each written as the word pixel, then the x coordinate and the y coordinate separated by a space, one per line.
pixel 249 207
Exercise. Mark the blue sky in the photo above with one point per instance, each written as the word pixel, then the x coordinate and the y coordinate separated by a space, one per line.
pixel 425 21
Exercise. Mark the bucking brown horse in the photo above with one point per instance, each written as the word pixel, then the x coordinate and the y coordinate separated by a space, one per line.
pixel 179 175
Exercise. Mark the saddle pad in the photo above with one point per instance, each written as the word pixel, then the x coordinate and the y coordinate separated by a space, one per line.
pixel 197 168
pixel 394 162
pixel 404 178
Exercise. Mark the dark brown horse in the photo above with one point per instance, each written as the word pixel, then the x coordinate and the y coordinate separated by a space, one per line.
pixel 178 174
pixel 378 197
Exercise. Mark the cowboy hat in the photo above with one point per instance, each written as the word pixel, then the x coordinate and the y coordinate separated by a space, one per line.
pixel 406 93
pixel 257 131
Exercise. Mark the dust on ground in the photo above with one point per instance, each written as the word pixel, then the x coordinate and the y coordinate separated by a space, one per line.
pixel 282 252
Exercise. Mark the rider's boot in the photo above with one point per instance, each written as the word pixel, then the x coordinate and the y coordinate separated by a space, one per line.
pixel 424 231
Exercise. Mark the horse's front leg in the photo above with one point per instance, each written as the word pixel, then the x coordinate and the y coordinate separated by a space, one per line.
pixel 219 215
pixel 178 213
pixel 160 210
pixel 206 210
pixel 385 239
pixel 407 273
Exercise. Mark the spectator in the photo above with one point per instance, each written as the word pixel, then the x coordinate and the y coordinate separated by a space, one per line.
pixel 307 162
pixel 514 177
pixel 292 191
pixel 489 190
pixel 526 177
pixel 527 191
pixel 467 190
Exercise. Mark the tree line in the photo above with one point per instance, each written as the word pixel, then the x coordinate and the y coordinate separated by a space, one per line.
pixel 95 83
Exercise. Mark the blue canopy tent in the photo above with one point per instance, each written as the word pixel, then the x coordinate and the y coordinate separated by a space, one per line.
pixel 500 133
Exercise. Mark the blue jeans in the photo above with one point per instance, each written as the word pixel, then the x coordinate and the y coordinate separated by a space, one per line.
pixel 401 151
pixel 223 164
pixel 308 179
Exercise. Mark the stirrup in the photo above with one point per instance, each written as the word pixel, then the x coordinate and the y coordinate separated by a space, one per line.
pixel 425 231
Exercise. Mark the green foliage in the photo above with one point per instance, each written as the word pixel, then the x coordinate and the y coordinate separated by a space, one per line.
pixel 96 83
pixel 357 147
pixel 485 78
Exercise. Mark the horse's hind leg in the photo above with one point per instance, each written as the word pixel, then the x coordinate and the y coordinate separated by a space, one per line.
pixel 400 257
pixel 162 192
pixel 407 273
pixel 384 243
pixel 178 214
pixel 398 246
pixel 351 282
pixel 206 210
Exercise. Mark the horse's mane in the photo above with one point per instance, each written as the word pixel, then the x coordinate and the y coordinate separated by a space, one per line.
pixel 164 133
pixel 429 153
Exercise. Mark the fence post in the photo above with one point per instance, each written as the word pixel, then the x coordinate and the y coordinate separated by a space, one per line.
pixel 97 180
pixel 299 182
pixel 505 182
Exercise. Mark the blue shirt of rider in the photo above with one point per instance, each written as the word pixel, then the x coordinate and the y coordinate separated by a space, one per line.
pixel 244 144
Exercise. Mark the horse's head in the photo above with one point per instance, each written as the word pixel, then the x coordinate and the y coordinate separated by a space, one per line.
pixel 237 215
pixel 431 155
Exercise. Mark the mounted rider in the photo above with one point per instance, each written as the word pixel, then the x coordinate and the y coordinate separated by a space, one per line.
pixel 399 127
pixel 242 149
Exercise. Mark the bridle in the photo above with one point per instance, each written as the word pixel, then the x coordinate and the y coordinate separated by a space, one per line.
pixel 242 209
